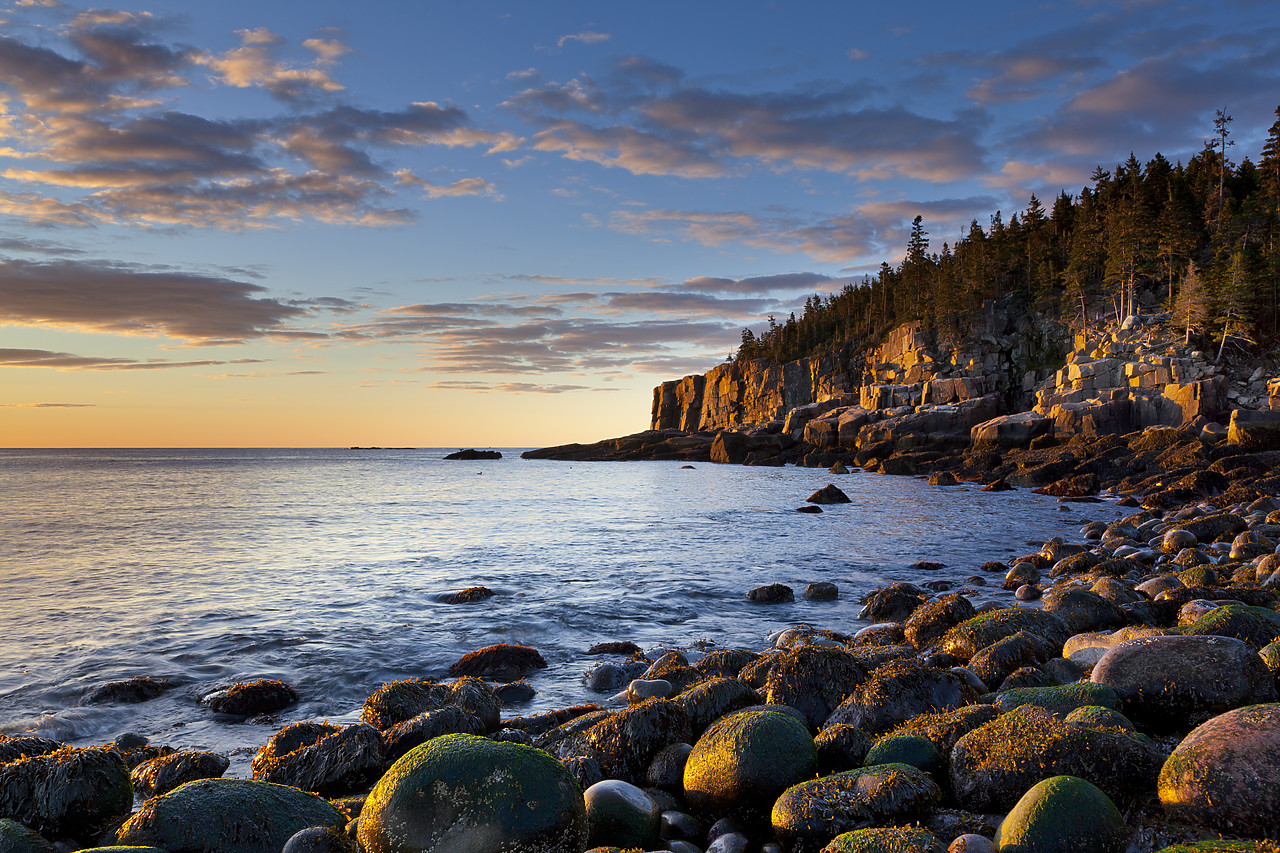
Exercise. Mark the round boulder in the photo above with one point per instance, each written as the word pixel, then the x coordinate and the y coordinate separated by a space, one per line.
pixel 227 815
pixel 1226 773
pixel 621 815
pixel 501 661
pixel 814 680
pixel 250 698
pixel 162 774
pixel 932 619
pixel 889 839
pixel 1063 814
pixel 455 790
pixel 810 814
pixel 745 760
pixel 68 793
pixel 899 690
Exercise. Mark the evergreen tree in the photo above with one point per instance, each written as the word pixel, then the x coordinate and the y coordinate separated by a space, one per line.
pixel 1192 306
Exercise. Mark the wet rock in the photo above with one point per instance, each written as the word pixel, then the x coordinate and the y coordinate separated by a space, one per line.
pixel 810 509
pixel 968 638
pixel 1064 814
pixel 1256 626
pixel 932 619
pixel 774 593
pixel 682 826
pixel 709 701
pixel 586 771
pixel 666 771
pixel 606 677
pixel 971 842
pixel 227 815
pixel 249 699
pixel 993 765
pixel 327 759
pixel 500 661
pixel 840 747
pixel 621 815
pixel 623 647
pixel 477 697
pixel 471 454
pixel 512 736
pixel 1083 610
pixel 1096 716
pixel 127 692
pixel 470 595
pixel 16 838
pixel 569 738
pixel 898 691
pixel 746 760
pixel 725 663
pixel 1021 573
pixel 1226 773
pixel 539 724
pixel 1027 592
pixel 397 701
pixel 162 774
pixel 893 603
pixel 515 692
pixel 626 742
pixel 944 729
pixel 460 787
pixel 1025 677
pixel 890 839
pixel 24 746
pixel 320 839
pixel 641 689
pixel 1173 682
pixel 809 815
pixel 814 680
pixel 821 591
pixel 828 494
pixel 68 793
pixel 994 663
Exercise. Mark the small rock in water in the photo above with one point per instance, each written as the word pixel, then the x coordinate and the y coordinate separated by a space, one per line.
pixel 928 566
pixel 624 647
pixel 829 494
pixel 470 595
pixel 516 692
pixel 774 593
pixel 838 468
pixel 998 486
pixel 821 591
pixel 472 454
pixel 248 699
pixel 503 660
pixel 809 509
pixel 1027 592
pixel 130 691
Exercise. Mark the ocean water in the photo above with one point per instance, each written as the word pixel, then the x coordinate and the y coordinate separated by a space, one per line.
pixel 326 568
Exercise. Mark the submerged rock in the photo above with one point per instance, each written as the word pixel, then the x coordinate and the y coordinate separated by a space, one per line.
pixel 248 699
pixel 461 791
pixel 227 816
pixel 470 595
pixel 129 691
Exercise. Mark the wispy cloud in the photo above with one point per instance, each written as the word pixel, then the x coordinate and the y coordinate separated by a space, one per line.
pixel 48 405
pixel 586 37
pixel 68 361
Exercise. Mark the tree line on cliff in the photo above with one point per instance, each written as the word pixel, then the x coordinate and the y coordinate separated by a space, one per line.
pixel 1202 237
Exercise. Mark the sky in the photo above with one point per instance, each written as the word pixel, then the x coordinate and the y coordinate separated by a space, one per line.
pixel 500 224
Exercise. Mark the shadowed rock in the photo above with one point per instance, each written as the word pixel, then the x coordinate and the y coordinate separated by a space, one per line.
pixel 328 759
pixel 68 793
pixel 162 774
pixel 504 660
pixel 129 692
pixel 248 699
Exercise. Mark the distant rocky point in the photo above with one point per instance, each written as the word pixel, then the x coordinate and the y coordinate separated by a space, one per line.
pixel 470 454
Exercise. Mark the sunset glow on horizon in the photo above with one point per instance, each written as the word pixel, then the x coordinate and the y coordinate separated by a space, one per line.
pixel 500 225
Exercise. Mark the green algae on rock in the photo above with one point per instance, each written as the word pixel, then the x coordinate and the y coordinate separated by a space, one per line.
pixel 810 814
pixel 893 839
pixel 16 838
pixel 226 816
pixel 499 796
pixel 1063 814
pixel 745 760
pixel 1060 700
pixel 913 750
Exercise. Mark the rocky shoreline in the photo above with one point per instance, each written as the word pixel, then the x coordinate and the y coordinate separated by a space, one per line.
pixel 1129 702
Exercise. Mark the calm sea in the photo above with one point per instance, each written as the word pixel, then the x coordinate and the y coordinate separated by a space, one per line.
pixel 326 568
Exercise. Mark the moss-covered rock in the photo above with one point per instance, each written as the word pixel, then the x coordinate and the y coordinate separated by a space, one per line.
pixel 1064 814
pixel 460 789
pixel 899 690
pixel 995 764
pixel 1174 683
pixel 162 774
pixel 893 603
pixel 226 816
pixel 621 815
pixel 892 839
pixel 745 760
pixel 968 638
pixel 1256 626
pixel 68 793
pixel 16 838
pixel 917 751
pixel 944 729
pixel 1226 773
pixel 709 701
pixel 1098 717
pixel 809 815
pixel 814 680
pixel 932 619
pixel 1060 700
pixel 1222 845
pixel 328 759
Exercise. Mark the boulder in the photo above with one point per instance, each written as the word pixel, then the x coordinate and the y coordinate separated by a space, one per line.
pixel 248 699
pixel 162 774
pixel 621 815
pixel 1255 626
pixel 127 692
pixel 13 747
pixel 470 595
pixel 666 771
pixel 968 638
pixel 899 690
pixel 456 790
pixel 626 742
pixel 829 494
pixel 1011 430
pixel 774 593
pixel 840 747
pixel 814 680
pixel 886 839
pixel 893 603
pixel 934 618
pixel 944 729
pixel 1226 774
pixel 1063 814
pixel 996 763
pixel 16 838
pixel 913 750
pixel 1060 700
pixel 68 793
pixel 1254 431
pixel 500 661
pixel 746 760
pixel 451 719
pixel 397 701
pixel 226 816
pixel 709 701
pixel 809 815
pixel 729 448
pixel 1175 682
pixel 1082 610
pixel 330 760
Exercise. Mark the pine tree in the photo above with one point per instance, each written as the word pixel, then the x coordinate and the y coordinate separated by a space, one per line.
pixel 1222 130
pixel 1192 306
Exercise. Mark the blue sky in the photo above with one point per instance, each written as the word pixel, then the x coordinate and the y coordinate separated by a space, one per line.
pixel 491 223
